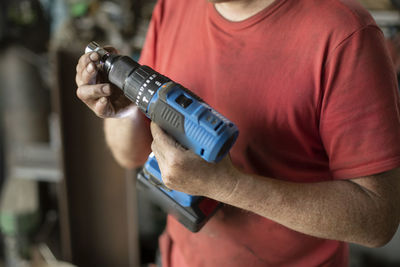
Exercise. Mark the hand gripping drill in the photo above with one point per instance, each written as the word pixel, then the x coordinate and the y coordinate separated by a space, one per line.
pixel 181 114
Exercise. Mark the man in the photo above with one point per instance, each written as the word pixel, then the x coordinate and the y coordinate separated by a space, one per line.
pixel 313 92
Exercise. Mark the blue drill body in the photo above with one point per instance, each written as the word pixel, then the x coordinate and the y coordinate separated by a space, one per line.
pixel 205 131
pixel 184 116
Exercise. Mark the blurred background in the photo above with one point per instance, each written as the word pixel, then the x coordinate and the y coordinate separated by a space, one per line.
pixel 63 199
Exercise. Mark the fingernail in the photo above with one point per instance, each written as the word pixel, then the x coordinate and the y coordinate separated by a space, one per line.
pixel 90 67
pixel 94 56
pixel 106 89
pixel 103 100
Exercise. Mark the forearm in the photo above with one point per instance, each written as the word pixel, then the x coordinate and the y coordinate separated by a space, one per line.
pixel 365 210
pixel 129 139
pixel 340 210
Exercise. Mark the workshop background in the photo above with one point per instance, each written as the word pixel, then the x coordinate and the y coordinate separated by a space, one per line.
pixel 63 199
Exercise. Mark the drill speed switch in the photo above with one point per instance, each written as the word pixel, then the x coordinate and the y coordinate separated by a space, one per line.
pixel 178 111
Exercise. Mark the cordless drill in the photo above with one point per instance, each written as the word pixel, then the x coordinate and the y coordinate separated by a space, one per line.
pixel 181 114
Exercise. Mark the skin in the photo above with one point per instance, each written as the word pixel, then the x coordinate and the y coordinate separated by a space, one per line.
pixel 365 210
pixel 236 10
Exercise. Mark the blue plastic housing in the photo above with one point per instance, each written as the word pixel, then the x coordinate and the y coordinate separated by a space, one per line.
pixel 206 131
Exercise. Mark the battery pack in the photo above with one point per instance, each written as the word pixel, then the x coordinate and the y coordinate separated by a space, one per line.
pixel 193 216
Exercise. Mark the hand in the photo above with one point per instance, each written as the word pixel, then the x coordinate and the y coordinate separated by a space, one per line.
pixel 104 99
pixel 184 171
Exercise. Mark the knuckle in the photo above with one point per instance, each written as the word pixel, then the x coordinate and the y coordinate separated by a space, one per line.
pixel 79 93
pixel 77 80
pixel 153 145
pixel 102 115
pixel 83 92
pixel 99 112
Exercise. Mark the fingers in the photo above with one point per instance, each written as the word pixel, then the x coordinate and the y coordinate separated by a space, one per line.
pixel 85 59
pixel 88 93
pixel 96 98
pixel 164 146
pixel 86 70
pixel 163 140
pixel 103 108
pixel 178 165
pixel 159 137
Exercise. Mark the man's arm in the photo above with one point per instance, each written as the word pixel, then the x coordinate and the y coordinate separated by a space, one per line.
pixel 129 139
pixel 364 210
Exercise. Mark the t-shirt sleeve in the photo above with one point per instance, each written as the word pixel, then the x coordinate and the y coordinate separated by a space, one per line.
pixel 359 115
pixel 149 52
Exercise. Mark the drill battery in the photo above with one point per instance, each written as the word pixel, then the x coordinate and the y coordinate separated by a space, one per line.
pixel 191 211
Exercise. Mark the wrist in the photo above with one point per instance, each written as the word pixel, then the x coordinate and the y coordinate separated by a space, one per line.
pixel 230 182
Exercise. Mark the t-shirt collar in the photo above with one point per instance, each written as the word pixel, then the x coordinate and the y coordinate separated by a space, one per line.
pixel 224 23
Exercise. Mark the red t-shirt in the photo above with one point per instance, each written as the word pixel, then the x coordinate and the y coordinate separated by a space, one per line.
pixel 311 87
